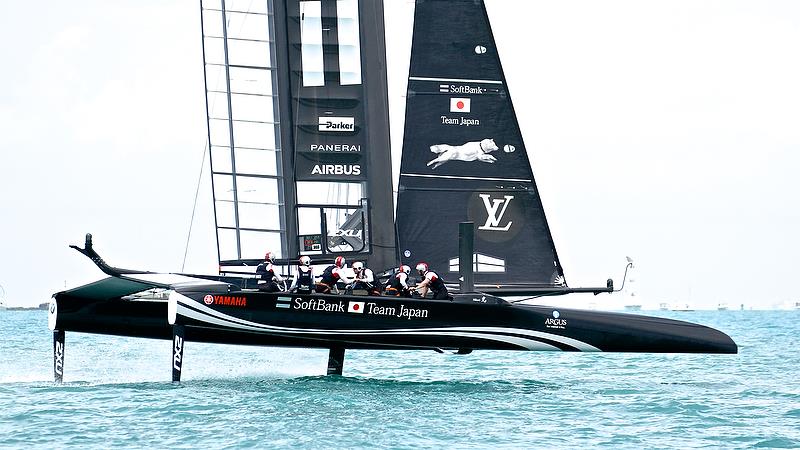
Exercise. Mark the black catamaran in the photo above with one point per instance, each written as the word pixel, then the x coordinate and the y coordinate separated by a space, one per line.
pixel 299 144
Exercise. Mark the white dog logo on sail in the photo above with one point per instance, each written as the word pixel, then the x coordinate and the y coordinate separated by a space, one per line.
pixel 494 218
pixel 471 151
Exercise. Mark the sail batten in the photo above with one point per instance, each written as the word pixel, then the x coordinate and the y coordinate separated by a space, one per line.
pixel 464 159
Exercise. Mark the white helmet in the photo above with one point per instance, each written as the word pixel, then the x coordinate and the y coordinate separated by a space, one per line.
pixel 339 261
pixel 269 256
pixel 404 269
pixel 422 268
pixel 358 266
pixel 305 261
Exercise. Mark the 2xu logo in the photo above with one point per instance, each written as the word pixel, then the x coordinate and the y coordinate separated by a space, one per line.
pixel 177 353
pixel 495 209
pixel 59 358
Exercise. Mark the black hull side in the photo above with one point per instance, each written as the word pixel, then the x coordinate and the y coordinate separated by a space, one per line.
pixel 358 322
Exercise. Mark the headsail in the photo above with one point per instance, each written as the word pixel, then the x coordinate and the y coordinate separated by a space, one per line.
pixel 464 159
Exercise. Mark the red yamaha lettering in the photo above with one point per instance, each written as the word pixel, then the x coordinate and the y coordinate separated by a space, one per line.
pixel 229 300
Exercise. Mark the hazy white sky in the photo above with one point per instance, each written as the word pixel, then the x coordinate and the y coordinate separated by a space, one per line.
pixel 668 131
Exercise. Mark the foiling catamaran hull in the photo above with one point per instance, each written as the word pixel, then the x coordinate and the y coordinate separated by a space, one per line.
pixel 471 321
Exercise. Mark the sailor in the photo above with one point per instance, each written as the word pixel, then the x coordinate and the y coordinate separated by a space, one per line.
pixel 305 277
pixel 331 275
pixel 364 279
pixel 398 283
pixel 267 278
pixel 431 281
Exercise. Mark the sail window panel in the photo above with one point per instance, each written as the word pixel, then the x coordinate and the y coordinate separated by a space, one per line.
pixel 211 4
pixel 221 159
pixel 215 78
pixel 242 25
pixel 212 22
pixel 256 189
pixel 309 221
pixel 223 187
pixel 228 248
pixel 312 57
pixel 256 243
pixel 252 107
pixel 254 135
pixel 248 53
pixel 219 132
pixel 349 41
pixel 258 215
pixel 328 193
pixel 256 162
pixel 217 105
pixel 251 81
pixel 214 48
pixel 226 215
pixel 257 7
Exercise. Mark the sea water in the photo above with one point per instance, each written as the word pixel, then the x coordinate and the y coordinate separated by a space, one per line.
pixel 117 393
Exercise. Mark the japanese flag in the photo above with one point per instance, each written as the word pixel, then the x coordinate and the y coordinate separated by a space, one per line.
pixel 461 105
pixel 355 307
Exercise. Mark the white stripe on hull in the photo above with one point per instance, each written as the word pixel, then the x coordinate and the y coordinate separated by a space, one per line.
pixel 208 315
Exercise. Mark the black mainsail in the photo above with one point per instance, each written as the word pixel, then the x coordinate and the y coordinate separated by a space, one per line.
pixel 298 129
pixel 464 158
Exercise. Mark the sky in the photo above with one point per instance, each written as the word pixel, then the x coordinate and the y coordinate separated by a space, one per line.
pixel 666 131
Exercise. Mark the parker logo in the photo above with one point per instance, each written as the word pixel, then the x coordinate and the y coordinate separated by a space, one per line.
pixel 208 299
pixel 228 300
pixel 495 209
pixel 355 307
pixel 337 124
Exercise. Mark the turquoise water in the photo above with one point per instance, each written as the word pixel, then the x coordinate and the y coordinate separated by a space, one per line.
pixel 117 393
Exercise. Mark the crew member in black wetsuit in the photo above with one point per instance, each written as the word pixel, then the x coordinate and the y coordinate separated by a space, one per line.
pixel 398 283
pixel 432 281
pixel 267 278
pixel 304 281
pixel 365 279
pixel 330 276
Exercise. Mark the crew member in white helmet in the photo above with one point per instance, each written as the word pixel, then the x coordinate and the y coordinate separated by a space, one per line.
pixel 398 283
pixel 304 281
pixel 331 275
pixel 267 278
pixel 431 281
pixel 365 279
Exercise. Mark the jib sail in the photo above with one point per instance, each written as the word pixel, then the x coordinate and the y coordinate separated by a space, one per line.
pixel 463 157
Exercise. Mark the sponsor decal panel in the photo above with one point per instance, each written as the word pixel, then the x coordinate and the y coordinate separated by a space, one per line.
pixel 336 148
pixel 208 299
pixel 283 302
pixel 460 121
pixel 367 308
pixel 227 300
pixel 59 358
pixel 495 209
pixel 337 124
pixel 460 105
pixel 355 307
pixel 555 321
pixel 177 351
pixel 336 169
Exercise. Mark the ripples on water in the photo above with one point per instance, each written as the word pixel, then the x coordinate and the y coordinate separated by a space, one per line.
pixel 117 393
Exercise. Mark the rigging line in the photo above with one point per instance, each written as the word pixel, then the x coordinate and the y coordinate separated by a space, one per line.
pixel 194 207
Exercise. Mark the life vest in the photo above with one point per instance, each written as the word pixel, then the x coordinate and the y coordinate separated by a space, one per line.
pixel 266 272
pixel 305 278
pixel 436 284
pixel 397 284
pixel 330 276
